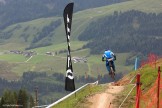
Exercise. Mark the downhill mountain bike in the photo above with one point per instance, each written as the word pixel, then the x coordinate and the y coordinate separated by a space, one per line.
pixel 112 72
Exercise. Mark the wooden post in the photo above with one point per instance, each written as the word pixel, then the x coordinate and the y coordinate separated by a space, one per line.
pixel 36 96
pixel 138 91
pixel 158 86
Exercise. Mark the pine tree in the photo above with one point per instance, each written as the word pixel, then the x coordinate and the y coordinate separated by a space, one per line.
pixel 31 101
pixel 2 103
pixel 23 98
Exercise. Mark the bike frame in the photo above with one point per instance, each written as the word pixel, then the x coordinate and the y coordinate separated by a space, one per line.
pixel 111 68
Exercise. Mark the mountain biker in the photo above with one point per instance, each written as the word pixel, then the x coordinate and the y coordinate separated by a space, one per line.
pixel 110 57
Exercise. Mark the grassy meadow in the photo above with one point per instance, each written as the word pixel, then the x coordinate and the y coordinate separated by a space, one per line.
pixel 57 63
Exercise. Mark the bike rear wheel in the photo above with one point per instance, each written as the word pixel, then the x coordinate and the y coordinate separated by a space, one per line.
pixel 112 73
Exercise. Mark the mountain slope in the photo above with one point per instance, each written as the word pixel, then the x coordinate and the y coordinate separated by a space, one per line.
pixel 15 11
pixel 114 94
pixel 122 32
pixel 23 33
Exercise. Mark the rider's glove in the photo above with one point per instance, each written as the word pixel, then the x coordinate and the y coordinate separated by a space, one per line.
pixel 111 59
pixel 114 57
pixel 102 58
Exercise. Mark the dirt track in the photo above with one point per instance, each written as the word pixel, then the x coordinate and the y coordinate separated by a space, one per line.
pixel 105 99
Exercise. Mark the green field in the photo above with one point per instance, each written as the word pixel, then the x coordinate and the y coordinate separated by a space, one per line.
pixel 57 63
pixel 13 58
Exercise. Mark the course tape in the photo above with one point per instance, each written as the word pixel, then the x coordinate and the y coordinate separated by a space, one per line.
pixel 127 95
pixel 60 100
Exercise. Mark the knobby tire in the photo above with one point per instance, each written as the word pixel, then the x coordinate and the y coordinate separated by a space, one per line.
pixel 112 73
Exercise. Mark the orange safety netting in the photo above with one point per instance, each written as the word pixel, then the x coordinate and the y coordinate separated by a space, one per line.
pixel 151 60
pixel 149 99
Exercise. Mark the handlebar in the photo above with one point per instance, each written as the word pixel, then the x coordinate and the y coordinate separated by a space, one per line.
pixel 108 59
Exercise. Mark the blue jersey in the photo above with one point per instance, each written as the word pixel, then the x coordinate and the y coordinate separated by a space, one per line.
pixel 110 57
pixel 108 54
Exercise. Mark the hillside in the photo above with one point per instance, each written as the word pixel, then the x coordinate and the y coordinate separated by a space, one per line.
pixel 23 34
pixel 113 94
pixel 123 32
pixel 15 11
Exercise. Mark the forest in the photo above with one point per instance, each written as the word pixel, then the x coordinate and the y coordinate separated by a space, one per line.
pixel 131 31
pixel 47 83
pixel 12 98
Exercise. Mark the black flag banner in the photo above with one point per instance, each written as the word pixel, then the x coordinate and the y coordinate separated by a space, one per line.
pixel 69 80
